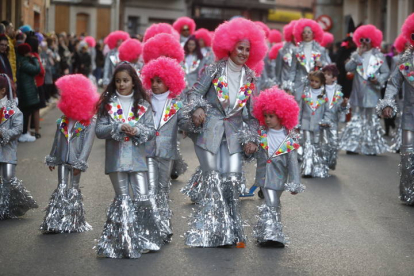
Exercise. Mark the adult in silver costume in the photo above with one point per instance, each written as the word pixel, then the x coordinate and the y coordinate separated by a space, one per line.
pixel 403 77
pixel 364 133
pixel 222 101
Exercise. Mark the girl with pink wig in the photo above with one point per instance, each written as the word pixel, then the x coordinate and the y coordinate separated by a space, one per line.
pixel 130 51
pixel 113 40
pixel 164 79
pixel 284 58
pixel 125 121
pixel 185 26
pixel 193 61
pixel 218 103
pixel 403 78
pixel 71 147
pixel 277 161
pixel 364 133
pixel 15 200
pixel 204 38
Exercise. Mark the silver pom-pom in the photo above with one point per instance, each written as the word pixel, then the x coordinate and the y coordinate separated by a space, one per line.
pixel 386 103
pixel 115 133
pixel 144 134
pixel 187 111
pixel 287 85
pixel 50 161
pixel 294 187
pixel 5 137
pixel 248 135
pixel 80 165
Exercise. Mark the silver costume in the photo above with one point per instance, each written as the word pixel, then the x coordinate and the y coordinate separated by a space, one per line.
pixel 220 155
pixel 133 223
pixel 15 200
pixel 334 110
pixel 396 141
pixel 364 133
pixel 70 150
pixel 403 78
pixel 283 64
pixel 111 60
pixel 310 118
pixel 276 172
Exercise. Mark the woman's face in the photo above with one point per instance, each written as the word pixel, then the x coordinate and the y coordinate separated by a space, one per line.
pixel 191 45
pixel 241 52
pixel 3 46
pixel 307 34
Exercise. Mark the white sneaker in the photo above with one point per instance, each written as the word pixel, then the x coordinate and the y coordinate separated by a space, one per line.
pixel 26 138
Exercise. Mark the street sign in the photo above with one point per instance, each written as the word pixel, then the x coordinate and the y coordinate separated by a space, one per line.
pixel 325 21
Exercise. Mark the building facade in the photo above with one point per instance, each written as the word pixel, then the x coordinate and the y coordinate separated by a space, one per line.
pixel 25 12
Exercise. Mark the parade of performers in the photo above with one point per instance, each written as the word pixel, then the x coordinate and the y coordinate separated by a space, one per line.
pixel 240 92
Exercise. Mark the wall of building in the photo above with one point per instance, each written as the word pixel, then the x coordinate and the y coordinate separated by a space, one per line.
pixel 33 13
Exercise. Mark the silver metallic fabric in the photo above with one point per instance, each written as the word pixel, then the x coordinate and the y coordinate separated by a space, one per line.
pixel 65 212
pixel 179 166
pixel 386 103
pixel 15 199
pixel 269 226
pixel 329 147
pixel 111 61
pixel 313 163
pixel 11 127
pixel 193 186
pixel 364 133
pixel 407 168
pixel 283 64
pixel 73 151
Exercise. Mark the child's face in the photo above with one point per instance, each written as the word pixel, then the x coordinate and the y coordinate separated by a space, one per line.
pixel 272 121
pixel 123 83
pixel 329 78
pixel 158 86
pixel 315 82
pixel 3 92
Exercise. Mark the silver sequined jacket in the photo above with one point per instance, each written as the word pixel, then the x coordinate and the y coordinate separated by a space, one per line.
pixel 402 77
pixel 300 69
pixel 164 145
pixel 11 126
pixel 310 117
pixel 283 64
pixel 111 61
pixel 223 122
pixel 73 150
pixel 192 72
pixel 334 109
pixel 365 93
pixel 279 170
pixel 124 153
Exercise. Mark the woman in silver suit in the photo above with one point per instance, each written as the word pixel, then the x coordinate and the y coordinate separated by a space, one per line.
pixel 221 101
pixel 126 122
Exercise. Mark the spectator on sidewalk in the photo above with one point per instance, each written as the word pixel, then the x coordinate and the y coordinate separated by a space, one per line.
pixel 10 34
pixel 5 67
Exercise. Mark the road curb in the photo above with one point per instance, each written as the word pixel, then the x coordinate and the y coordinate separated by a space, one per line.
pixel 51 105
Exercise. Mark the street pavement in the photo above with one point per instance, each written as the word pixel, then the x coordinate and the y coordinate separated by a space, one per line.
pixel 349 224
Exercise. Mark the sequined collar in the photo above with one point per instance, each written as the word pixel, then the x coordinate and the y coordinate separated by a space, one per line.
pixel 116 112
pixel 7 111
pixel 406 65
pixel 375 62
pixel 170 109
pixel 77 128
pixel 315 56
pixel 307 97
pixel 288 144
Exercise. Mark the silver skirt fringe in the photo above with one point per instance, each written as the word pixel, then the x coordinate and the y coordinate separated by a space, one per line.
pixel 269 226
pixel 407 178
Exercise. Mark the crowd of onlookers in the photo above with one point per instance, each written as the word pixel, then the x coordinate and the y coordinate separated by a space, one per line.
pixel 34 61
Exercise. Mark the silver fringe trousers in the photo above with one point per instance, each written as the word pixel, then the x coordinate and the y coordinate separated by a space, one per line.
pixel 312 161
pixel 407 168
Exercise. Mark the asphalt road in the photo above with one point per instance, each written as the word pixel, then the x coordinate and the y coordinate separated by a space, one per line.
pixel 349 224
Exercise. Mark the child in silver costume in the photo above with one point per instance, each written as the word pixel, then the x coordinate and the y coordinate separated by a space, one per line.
pixel 15 200
pixel 164 79
pixel 72 145
pixel 314 104
pixel 126 122
pixel 277 164
pixel 336 106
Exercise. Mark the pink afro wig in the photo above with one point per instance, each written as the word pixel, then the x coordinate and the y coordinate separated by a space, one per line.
pixel 228 34
pixel 160 28
pixel 78 97
pixel 258 68
pixel 368 31
pixel 112 39
pixel 167 69
pixel 273 53
pixel 182 21
pixel 204 34
pixel 328 38
pixel 301 24
pixel 162 45
pixel 90 40
pixel 275 36
pixel 264 27
pixel 130 50
pixel 400 42
pixel 288 31
pixel 278 102
pixel 407 28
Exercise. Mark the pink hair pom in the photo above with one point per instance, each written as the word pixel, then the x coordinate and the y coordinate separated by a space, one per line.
pixel 130 50
pixel 407 28
pixel 162 45
pixel 328 38
pixel 228 34
pixel 90 40
pixel 274 52
pixel 288 31
pixel 301 24
pixel 183 21
pixel 204 34
pixel 400 42
pixel 264 27
pixel 78 97
pixel 278 102
pixel 167 69
pixel 258 68
pixel 160 28
pixel 112 39
pixel 368 31
pixel 275 36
